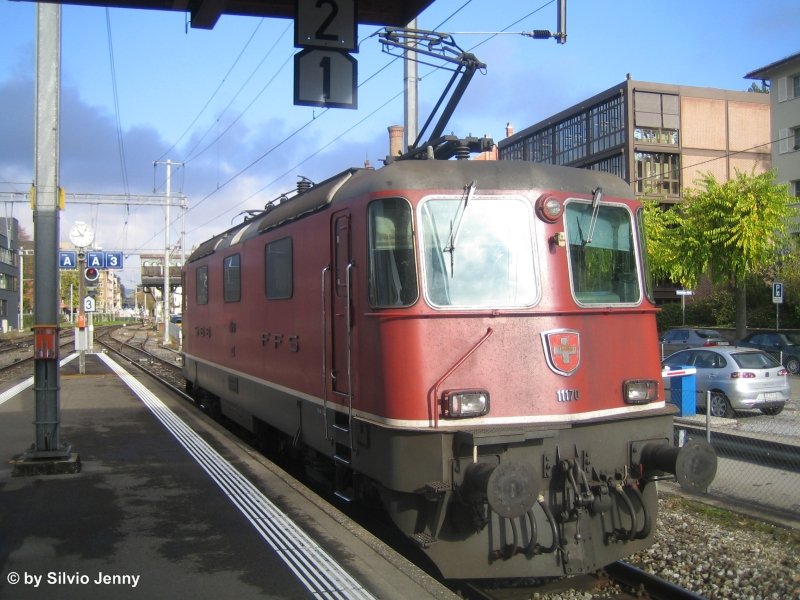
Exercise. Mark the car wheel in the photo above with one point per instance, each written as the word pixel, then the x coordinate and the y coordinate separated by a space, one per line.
pixel 772 410
pixel 720 407
pixel 793 365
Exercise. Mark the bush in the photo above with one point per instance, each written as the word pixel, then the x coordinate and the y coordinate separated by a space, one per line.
pixel 670 316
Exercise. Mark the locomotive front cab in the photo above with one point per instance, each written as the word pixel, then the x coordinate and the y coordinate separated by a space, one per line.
pixel 539 363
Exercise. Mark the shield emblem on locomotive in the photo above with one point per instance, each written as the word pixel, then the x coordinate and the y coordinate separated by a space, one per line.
pixel 562 349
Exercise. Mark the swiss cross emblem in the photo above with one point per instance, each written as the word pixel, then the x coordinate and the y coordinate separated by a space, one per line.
pixel 562 348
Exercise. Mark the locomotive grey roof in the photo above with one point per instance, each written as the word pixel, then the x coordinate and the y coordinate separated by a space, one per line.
pixel 413 175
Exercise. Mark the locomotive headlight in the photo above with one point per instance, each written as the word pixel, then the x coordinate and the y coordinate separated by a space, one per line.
pixel 640 391
pixel 549 208
pixel 465 403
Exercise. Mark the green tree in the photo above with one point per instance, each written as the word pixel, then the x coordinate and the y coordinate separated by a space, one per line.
pixel 726 230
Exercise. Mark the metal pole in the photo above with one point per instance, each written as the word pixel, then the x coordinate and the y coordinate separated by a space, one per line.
pixel 165 310
pixel 411 100
pixel 48 454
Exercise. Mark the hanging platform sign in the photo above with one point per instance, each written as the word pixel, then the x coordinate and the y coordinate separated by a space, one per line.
pixel 327 24
pixel 325 73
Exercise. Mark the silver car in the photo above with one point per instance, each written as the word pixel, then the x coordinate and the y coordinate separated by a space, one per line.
pixel 738 379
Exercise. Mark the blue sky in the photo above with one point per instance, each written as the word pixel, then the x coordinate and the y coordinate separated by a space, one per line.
pixel 220 101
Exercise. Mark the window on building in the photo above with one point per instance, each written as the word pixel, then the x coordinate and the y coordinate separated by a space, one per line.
pixel 3 308
pixel 201 284
pixel 8 282
pixel 656 116
pixel 658 173
pixel 796 86
pixel 796 138
pixel 512 152
pixel 795 188
pixel 613 164
pixel 278 265
pixel 570 138
pixel 232 279
pixel 607 124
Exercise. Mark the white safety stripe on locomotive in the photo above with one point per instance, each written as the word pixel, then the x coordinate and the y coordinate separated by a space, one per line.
pixel 444 423
pixel 24 385
pixel 320 573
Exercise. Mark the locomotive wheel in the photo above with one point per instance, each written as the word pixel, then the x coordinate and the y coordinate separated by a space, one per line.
pixel 720 406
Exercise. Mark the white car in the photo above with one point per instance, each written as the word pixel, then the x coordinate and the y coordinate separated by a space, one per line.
pixel 738 379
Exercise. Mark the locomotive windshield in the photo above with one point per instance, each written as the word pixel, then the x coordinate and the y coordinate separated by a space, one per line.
pixel 488 262
pixel 602 263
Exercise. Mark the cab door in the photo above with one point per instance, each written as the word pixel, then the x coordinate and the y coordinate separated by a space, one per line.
pixel 341 305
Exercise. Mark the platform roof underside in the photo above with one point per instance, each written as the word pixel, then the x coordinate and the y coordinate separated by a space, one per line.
pixel 205 13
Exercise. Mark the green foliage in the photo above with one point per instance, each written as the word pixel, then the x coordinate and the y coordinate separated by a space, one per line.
pixel 726 230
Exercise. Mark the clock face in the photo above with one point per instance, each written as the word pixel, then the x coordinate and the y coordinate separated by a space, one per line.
pixel 81 234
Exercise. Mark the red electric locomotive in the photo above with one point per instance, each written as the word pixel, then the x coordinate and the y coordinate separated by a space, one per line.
pixel 471 342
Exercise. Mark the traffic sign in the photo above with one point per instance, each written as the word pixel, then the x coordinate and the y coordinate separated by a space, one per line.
pixel 88 304
pixel 777 293
pixel 325 78
pixel 67 259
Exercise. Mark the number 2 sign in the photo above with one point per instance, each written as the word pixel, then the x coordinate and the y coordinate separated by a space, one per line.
pixel 327 24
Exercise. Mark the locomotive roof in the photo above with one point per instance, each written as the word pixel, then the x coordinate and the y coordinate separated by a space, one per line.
pixel 414 175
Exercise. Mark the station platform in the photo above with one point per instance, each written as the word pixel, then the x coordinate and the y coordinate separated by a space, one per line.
pixel 167 504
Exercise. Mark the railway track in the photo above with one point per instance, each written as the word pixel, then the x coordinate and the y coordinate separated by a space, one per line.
pixel 619 580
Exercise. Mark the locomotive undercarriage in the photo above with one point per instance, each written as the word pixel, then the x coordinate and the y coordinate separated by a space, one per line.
pixel 549 506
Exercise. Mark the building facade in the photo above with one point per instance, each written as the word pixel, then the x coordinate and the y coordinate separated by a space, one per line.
pixel 658 137
pixel 784 83
pixel 9 275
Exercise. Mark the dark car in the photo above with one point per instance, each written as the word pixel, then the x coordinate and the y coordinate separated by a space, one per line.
pixel 176 319
pixel 782 345
pixel 737 378
pixel 682 338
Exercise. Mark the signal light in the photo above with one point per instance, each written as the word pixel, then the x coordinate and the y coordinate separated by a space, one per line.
pixel 91 274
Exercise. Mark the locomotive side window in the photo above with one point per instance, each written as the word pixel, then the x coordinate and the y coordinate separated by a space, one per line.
pixel 392 264
pixel 201 284
pixel 602 254
pixel 478 252
pixel 232 279
pixel 278 265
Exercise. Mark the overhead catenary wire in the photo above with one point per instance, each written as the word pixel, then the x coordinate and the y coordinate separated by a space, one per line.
pixel 214 93
pixel 316 117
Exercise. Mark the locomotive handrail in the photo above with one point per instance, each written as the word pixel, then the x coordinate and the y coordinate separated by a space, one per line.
pixel 470 352
pixel 349 321
pixel 325 269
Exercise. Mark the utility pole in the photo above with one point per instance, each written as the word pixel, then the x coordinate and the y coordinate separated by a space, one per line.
pixel 411 103
pixel 166 299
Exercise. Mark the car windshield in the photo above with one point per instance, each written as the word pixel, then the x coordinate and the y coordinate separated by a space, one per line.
pixel 602 256
pixel 755 360
pixel 478 253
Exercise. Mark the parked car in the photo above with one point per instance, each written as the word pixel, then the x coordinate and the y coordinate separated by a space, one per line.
pixel 690 337
pixel 738 379
pixel 783 346
pixel 176 319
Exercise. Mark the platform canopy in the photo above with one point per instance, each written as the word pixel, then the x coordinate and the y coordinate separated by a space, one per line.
pixel 205 13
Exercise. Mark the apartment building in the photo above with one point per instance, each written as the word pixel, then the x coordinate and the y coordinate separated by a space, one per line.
pixel 784 83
